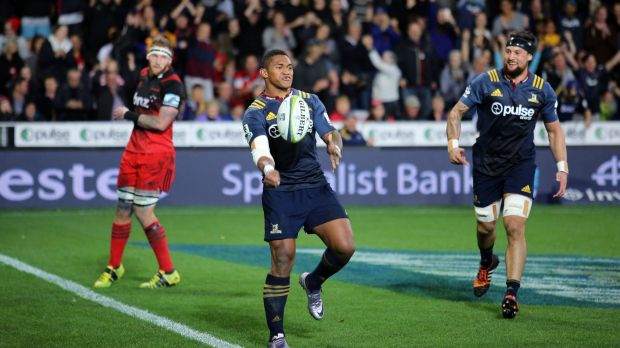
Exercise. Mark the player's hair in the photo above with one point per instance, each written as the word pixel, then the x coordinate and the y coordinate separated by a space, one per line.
pixel 269 55
pixel 162 41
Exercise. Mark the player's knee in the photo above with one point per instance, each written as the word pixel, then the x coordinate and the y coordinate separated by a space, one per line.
pixel 515 227
pixel 488 214
pixel 485 227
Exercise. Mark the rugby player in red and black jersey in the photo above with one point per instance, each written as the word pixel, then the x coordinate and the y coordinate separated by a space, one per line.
pixel 148 163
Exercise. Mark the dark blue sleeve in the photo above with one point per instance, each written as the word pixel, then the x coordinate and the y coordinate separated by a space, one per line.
pixel 320 119
pixel 549 110
pixel 254 124
pixel 474 92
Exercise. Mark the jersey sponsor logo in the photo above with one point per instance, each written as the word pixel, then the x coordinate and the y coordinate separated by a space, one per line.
pixel 273 131
pixel 497 93
pixel 326 118
pixel 275 229
pixel 526 189
pixel 171 100
pixel 504 110
pixel 534 98
pixel 270 116
pixel 141 101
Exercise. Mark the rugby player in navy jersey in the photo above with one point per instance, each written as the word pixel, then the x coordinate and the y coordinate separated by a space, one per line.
pixel 295 194
pixel 509 102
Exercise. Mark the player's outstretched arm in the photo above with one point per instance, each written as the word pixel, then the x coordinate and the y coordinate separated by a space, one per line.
pixel 453 131
pixel 333 140
pixel 558 149
pixel 167 115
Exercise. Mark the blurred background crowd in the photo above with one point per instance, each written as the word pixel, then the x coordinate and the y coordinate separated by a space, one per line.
pixel 374 61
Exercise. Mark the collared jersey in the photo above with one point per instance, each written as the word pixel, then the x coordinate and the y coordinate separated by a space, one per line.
pixel 507 117
pixel 297 163
pixel 152 93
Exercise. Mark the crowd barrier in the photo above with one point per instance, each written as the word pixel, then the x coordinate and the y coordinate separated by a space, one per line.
pixel 59 178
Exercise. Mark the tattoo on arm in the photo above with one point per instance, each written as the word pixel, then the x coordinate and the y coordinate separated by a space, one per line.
pixel 167 114
pixel 453 128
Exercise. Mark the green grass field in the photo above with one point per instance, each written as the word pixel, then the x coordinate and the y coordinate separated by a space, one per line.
pixel 391 294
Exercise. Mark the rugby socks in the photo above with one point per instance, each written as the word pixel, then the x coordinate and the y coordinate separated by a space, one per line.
pixel 486 257
pixel 329 265
pixel 120 235
pixel 156 234
pixel 275 293
pixel 512 287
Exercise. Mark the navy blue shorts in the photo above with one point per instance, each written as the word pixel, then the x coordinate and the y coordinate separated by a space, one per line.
pixel 488 189
pixel 287 211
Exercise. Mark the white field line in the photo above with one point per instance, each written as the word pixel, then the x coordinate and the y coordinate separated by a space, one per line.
pixel 105 301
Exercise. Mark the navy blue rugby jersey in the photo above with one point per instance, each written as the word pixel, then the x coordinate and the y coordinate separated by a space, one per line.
pixel 507 116
pixel 297 163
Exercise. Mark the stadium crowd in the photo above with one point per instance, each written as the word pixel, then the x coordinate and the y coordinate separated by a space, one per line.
pixel 77 60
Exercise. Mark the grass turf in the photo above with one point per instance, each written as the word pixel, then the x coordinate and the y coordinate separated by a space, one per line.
pixel 224 298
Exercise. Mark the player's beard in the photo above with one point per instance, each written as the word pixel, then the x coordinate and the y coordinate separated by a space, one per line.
pixel 514 73
pixel 159 71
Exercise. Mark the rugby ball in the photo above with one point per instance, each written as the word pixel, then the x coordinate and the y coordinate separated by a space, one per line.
pixel 293 119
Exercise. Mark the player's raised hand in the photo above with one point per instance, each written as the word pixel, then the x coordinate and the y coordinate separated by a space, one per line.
pixel 272 178
pixel 119 113
pixel 562 178
pixel 457 156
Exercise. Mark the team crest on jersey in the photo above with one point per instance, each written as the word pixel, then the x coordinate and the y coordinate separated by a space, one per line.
pixel 270 116
pixel 275 229
pixel 534 98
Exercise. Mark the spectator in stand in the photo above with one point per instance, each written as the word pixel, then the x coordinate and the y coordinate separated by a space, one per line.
pixel 413 55
pixel 593 80
pixel 200 58
pixel 572 105
pixel 608 107
pixel 306 29
pixel 342 109
pixel 467 12
pixel 11 29
pixel 328 45
pixel 412 108
pixel 600 38
pixel 386 82
pixel 236 113
pixel 454 78
pixel 314 74
pixel 377 112
pixel 73 102
pixel 443 32
pixel 570 22
pixel 251 24
pixel 75 57
pixel 246 81
pixel 213 113
pixel 537 17
pixel 33 60
pixel 509 20
pixel 30 113
pixel 183 33
pixel 33 85
pixel 20 96
pixel 196 107
pixel 349 133
pixel 53 53
pixel 110 93
pixel 557 72
pixel 10 63
pixel 225 97
pixel 279 35
pixel 35 17
pixel 45 102
pixel 439 108
pixel 6 111
pixel 385 36
pixel 356 68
